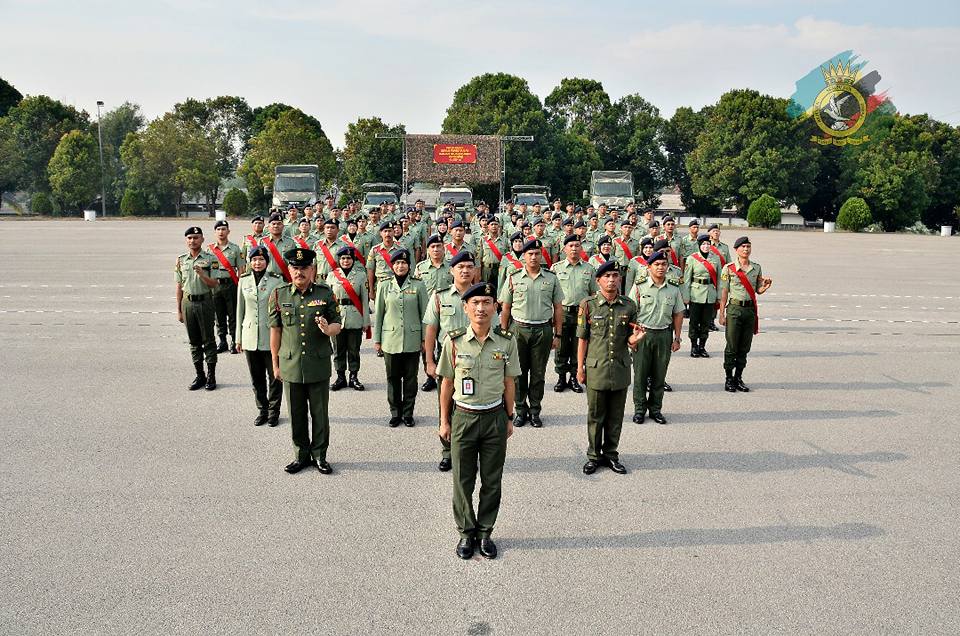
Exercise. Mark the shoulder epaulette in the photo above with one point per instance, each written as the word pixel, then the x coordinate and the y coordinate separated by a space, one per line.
pixel 456 333
pixel 245 274
pixel 443 289
pixel 274 275
pixel 184 254
pixel 500 331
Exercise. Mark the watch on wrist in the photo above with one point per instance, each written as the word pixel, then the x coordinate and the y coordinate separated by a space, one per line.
pixel 510 416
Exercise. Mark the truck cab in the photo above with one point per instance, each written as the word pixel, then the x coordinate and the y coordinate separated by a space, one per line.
pixel 462 197
pixel 296 185
pixel 377 193
pixel 531 194
pixel 613 187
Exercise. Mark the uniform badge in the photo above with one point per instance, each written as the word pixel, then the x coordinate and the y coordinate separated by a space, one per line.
pixel 286 304
pixel 499 355
pixel 315 303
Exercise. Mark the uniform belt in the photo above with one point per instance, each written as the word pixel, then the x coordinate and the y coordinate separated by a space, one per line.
pixel 571 307
pixel 484 409
pixel 527 323
pixel 703 281
pixel 346 301
pixel 741 303
pixel 656 328
pixel 197 298
pixel 226 280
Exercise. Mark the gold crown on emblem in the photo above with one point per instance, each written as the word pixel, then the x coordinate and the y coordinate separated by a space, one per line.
pixel 299 254
pixel 840 73
pixel 488 289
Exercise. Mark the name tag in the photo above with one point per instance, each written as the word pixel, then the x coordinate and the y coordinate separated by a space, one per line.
pixel 466 386
pixel 286 304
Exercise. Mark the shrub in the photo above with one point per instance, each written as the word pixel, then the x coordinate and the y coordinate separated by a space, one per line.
pixel 854 215
pixel 918 228
pixel 41 203
pixel 235 202
pixel 133 203
pixel 764 212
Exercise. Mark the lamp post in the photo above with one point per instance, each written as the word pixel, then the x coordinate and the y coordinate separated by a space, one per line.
pixel 103 176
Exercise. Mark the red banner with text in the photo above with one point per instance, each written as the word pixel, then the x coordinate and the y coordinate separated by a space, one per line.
pixel 454 153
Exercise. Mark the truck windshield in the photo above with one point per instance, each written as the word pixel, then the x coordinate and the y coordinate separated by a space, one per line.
pixel 290 183
pixel 612 188
pixel 376 198
pixel 458 198
pixel 529 198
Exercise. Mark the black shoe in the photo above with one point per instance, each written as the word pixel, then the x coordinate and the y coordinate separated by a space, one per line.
pixel 465 548
pixel 703 349
pixel 380 353
pixel 590 467
pixel 273 420
pixel 261 420
pixel 354 383
pixel 658 418
pixel 324 467
pixel 395 421
pixel 233 347
pixel 639 418
pixel 574 385
pixel 488 549
pixel 339 383
pixel 729 386
pixel 297 466
pixel 561 384
pixel 536 422
pixel 211 377
pixel 686 312
pixel 714 327
pixel 444 465
pixel 201 378
pixel 408 422
pixel 617 467
pixel 694 349
pixel 739 385
pixel 521 419
pixel 667 387
pixel 429 385
pixel 222 347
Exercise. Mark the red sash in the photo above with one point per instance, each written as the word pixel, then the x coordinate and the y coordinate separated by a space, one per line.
pixel 546 256
pixel 599 258
pixel 514 260
pixel 707 264
pixel 253 240
pixel 379 249
pixel 299 241
pixel 623 246
pixel 351 294
pixel 493 248
pixel 275 253
pixel 753 295
pixel 716 250
pixel 673 257
pixel 346 239
pixel 640 260
pixel 331 261
pixel 583 255
pixel 223 261
pixel 450 248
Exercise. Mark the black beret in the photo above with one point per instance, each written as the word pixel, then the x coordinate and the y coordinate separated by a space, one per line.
pixel 556 216
pixel 331 222
pixel 418 201
pixel 257 218
pixel 713 226
pixel 532 244
pixel 662 243
pixel 346 250
pixel 299 257
pixel 516 236
pixel 608 219
pixel 652 224
pixel 351 221
pixel 646 240
pixel 579 223
pixel 434 238
pixel 292 206
pixel 442 219
pixel 492 219
pixel 259 250
pixel 694 222
pixel 537 220
pixel 604 240
pixel 193 230
pixel 656 256
pixel 386 225
pixel 703 238
pixel 304 220
pixel 666 218
pixel 276 216
pixel 568 221
pixel 399 255
pixel 221 223
pixel 463 256
pixel 626 222
pixel 571 239
pixel 609 266
pixel 740 241
pixel 592 215
pixel 456 223
pixel 479 289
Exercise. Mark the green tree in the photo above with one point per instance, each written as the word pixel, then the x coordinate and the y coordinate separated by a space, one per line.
pixel 580 106
pixel 75 171
pixel 9 96
pixel 368 159
pixel 12 166
pixel 576 156
pixel 133 203
pixel 679 139
pixel 291 138
pixel 764 212
pixel 749 147
pixel 854 215
pixel 636 144
pixel 40 203
pixel 235 202
pixel 115 125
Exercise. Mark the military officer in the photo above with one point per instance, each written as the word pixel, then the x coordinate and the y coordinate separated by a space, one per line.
pixel 548 252
pixel 445 314
pixel 492 248
pixel 379 268
pixel 435 274
pixel 194 276
pixel 327 248
pixel 457 244
pixel 637 267
pixel 587 247
pixel 230 260
pixel 604 252
pixel 304 316
pixel 669 235
pixel 607 330
pixel 722 250
pixel 689 244
pixel 292 221
pixel 253 299
pixel 277 245
pixel 349 284
pixel 256 233
pixel 398 333
pixel 302 236
pixel 478 366
pixel 625 247
pixel 533 299
pixel 740 284
pixel 512 260
pixel 700 284
pixel 660 312
pixel 577 281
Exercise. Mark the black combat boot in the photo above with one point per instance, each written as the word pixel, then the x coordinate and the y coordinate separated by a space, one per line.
pixel 201 378
pixel 561 383
pixel 340 382
pixel 211 376
pixel 429 385
pixel 703 348
pixel 574 385
pixel 694 348
pixel 222 347
pixel 738 381
pixel 728 384
pixel 233 345
pixel 354 383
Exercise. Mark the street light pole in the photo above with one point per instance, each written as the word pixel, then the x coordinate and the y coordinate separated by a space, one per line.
pixel 103 176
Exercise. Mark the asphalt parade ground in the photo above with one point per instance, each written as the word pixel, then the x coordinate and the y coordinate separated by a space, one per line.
pixel 826 500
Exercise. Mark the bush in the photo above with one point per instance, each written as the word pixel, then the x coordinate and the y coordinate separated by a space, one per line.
pixel 41 203
pixel 764 212
pixel 919 228
pixel 235 202
pixel 854 215
pixel 134 203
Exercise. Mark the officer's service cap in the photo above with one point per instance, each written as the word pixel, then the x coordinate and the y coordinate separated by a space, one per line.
pixel 386 225
pixel 516 236
pixel 331 222
pixel 609 266
pixel 434 238
pixel 743 240
pixel 579 224
pixel 694 223
pixel 703 238
pixel 400 255
pixel 193 230
pixel 463 256
pixel 532 244
pixel 346 250
pixel 604 240
pixel 479 289
pixel 713 226
pixel 259 250
pixel 662 243
pixel 221 223
pixel 276 217
pixel 571 239
pixel 457 223
pixel 299 257
pixel 656 256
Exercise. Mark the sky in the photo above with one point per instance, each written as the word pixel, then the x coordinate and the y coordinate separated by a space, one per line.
pixel 339 60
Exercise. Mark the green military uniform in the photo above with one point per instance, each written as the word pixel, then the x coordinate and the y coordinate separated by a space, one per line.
pixel 197 306
pixel 450 250
pixel 675 243
pixel 700 286
pixel 283 245
pixel 741 314
pixel 687 247
pixel 353 321
pixel 254 319
pixel 225 294
pixel 511 263
pixel 606 326
pixel 379 265
pixel 433 276
pixel 636 269
pixel 531 302
pixel 488 261
pixel 445 313
pixel 305 363
pixel 577 282
pixel 326 265
pixel 398 328
pixel 478 436
pixel 362 243
pixel 620 254
pixel 655 309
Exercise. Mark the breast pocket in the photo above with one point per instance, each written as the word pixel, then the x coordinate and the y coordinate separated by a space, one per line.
pixel 289 318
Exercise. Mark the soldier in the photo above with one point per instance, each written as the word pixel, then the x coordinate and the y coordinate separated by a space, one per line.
pixel 398 333
pixel 302 235
pixel 653 230
pixel 577 281
pixel 700 284
pixel 316 233
pixel 587 247
pixel 741 282
pixel 533 298
pixel 359 242
pixel 547 249
pixel 594 231
pixel 607 330
pixel 435 274
pixel 625 247
pixel 254 292
pixel 293 220
pixel 604 252
pixel 327 248
pixel 659 307
pixel 277 244
pixel 669 235
pixel 722 250
pixel 478 366
pixel 492 248
pixel 194 276
pixel 305 311
pixel 689 244
pixel 256 235
pixel 349 285
pixel 513 258
pixel 379 268
pixel 445 314
pixel 637 267
pixel 456 244
pixel 230 260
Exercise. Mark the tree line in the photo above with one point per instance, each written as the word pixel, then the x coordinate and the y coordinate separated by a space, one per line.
pixel 728 154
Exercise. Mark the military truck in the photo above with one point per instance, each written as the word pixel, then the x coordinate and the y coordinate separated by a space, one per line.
pixel 613 187
pixel 531 194
pixel 429 192
pixel 296 184
pixel 377 193
pixel 462 197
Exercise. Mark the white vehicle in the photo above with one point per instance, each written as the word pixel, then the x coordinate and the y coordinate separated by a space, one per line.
pixel 296 185
pixel 531 194
pixel 377 193
pixel 460 195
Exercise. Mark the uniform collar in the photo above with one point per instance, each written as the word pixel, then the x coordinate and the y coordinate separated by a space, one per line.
pixel 473 336
pixel 616 301
pixel 308 291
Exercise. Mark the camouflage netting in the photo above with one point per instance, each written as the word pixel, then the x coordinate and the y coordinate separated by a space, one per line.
pixel 420 166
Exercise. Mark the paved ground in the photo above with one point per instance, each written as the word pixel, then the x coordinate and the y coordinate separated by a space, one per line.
pixel 825 501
